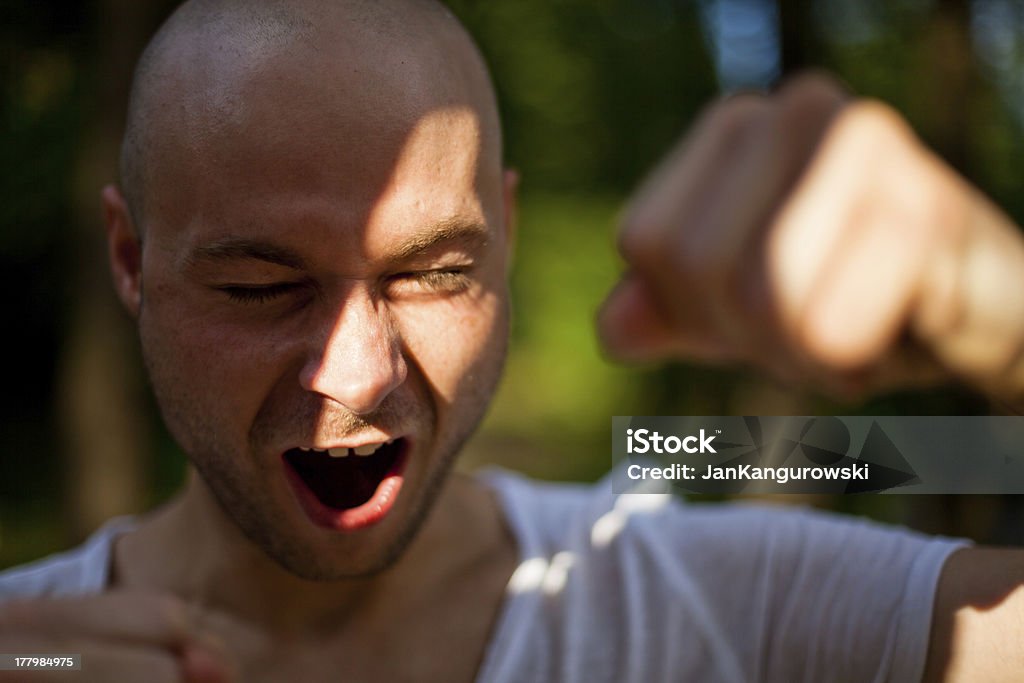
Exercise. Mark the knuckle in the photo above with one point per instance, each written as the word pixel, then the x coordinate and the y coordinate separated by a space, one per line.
pixel 808 105
pixel 915 191
pixel 172 613
pixel 874 123
pixel 733 117
pixel 814 83
pixel 927 203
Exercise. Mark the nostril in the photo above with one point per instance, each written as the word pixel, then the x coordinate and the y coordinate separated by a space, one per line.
pixel 358 383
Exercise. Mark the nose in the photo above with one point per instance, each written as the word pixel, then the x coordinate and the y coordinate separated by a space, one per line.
pixel 357 360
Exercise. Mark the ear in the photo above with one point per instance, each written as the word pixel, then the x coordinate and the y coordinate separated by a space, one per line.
pixel 123 249
pixel 510 195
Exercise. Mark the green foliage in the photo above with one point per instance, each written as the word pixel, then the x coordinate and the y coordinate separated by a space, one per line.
pixel 593 92
pixel 556 377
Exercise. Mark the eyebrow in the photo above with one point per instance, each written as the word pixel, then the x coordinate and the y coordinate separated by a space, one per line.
pixel 235 248
pixel 447 231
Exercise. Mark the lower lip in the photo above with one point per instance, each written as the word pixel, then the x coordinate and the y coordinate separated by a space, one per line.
pixel 352 519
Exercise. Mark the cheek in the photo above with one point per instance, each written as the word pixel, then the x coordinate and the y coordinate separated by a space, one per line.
pixel 448 340
pixel 204 369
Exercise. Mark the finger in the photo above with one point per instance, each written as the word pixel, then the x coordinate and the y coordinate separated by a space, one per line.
pixel 632 327
pixel 203 665
pixel 227 636
pixel 811 225
pixel 130 661
pixel 973 313
pixel 629 326
pixel 779 147
pixel 656 238
pixel 125 616
pixel 685 174
pixel 732 230
pixel 696 231
pixel 673 295
pixel 103 662
pixel 860 307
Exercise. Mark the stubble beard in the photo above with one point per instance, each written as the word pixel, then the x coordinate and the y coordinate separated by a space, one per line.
pixel 238 496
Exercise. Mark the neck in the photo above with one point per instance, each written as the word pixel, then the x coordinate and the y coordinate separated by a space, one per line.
pixel 191 549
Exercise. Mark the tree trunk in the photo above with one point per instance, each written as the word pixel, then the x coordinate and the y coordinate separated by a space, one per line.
pixel 799 46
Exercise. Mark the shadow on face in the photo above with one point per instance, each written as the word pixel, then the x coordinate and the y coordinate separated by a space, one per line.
pixel 323 223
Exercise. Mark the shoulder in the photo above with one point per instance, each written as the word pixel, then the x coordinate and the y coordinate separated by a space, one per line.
pixel 762 587
pixel 593 516
pixel 80 570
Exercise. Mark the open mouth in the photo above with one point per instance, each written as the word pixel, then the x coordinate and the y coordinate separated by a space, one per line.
pixel 347 488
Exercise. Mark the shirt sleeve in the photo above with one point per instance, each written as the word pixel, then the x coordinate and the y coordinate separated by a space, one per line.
pixel 807 596
pixel 80 571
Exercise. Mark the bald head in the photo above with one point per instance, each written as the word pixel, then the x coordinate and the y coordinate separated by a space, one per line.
pixel 212 60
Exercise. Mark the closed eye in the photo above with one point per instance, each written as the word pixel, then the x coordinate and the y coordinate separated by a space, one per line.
pixel 441 281
pixel 257 294
pixel 449 279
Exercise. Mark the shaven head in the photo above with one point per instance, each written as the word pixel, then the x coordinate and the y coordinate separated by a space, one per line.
pixel 191 76
pixel 327 230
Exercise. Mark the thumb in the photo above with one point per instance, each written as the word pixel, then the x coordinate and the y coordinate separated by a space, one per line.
pixel 201 664
pixel 630 325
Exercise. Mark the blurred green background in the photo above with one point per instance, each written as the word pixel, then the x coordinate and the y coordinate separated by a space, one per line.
pixel 593 92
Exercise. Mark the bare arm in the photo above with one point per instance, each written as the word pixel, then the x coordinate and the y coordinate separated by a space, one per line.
pixel 816 238
pixel 978 620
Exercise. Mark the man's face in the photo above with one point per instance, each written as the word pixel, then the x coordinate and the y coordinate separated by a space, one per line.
pixel 320 276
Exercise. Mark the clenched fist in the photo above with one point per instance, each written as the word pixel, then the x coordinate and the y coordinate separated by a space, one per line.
pixel 121 636
pixel 813 236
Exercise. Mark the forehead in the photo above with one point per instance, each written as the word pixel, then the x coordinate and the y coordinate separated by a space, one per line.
pixel 294 166
pixel 355 135
pixel 347 204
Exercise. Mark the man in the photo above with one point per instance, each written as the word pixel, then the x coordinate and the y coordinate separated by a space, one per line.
pixel 313 232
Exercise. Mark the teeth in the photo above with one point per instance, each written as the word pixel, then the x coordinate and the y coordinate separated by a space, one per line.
pixel 363 451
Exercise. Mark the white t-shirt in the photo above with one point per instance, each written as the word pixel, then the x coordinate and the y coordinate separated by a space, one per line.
pixel 644 588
